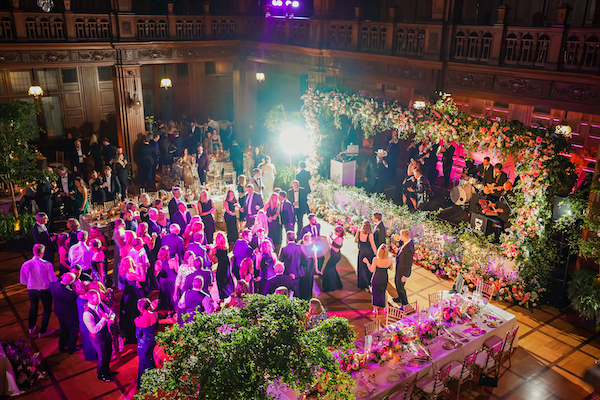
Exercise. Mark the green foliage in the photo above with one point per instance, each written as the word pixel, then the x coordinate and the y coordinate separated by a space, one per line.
pixel 584 293
pixel 8 223
pixel 278 119
pixel 285 176
pixel 18 163
pixel 238 353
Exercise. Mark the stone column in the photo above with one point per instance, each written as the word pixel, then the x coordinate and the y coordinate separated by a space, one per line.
pixel 244 100
pixel 127 82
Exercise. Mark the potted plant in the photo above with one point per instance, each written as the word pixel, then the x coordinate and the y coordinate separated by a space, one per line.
pixel 584 294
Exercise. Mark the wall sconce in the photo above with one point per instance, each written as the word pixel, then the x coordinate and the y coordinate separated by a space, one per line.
pixel 134 102
pixel 563 129
pixel 166 82
pixel 35 90
pixel 419 104
pixel 260 76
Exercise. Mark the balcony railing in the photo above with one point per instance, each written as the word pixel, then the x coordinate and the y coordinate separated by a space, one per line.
pixel 539 47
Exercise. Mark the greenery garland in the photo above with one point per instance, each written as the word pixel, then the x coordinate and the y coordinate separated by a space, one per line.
pixel 538 155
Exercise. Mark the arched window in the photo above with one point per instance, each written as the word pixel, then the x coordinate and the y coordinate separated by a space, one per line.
pixel 473 47
pixel 411 41
pixel 400 41
pixel 486 46
pixel 511 48
pixel 541 51
pixel 571 50
pixel 526 48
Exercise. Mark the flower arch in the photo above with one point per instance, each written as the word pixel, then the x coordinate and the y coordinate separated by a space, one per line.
pixel 540 153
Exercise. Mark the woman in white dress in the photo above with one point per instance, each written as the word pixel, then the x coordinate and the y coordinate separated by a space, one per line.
pixel 268 176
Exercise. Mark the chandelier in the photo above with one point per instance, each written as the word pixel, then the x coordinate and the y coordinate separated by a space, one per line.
pixel 45 5
pixel 166 82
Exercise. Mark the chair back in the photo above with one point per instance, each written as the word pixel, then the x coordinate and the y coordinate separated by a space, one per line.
pixel 487 291
pixel 509 339
pixel 435 298
pixel 441 377
pixel 410 308
pixel 410 388
pixel 372 327
pixel 392 315
pixel 459 282
pixel 479 286
pixel 494 353
pixel 467 364
pixel 60 157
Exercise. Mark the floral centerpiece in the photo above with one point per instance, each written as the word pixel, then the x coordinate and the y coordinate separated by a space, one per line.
pixel 26 364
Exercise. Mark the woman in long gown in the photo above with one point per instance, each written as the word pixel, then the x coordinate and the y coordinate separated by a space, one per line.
pixel 145 326
pixel 265 261
pixel 166 270
pixel 268 172
pixel 224 276
pixel 241 188
pixel 379 268
pixel 206 210
pixel 229 204
pixel 132 293
pixel 273 222
pixel 81 196
pixel 121 170
pixel 366 249
pixel 331 278
pixel 305 283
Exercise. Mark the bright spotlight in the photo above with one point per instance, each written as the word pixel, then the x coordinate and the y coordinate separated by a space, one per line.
pixel 419 104
pixel 563 129
pixel 295 4
pixel 296 140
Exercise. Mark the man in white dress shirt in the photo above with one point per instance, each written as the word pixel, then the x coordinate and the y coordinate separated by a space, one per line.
pixel 37 274
pixel 97 317
pixel 81 254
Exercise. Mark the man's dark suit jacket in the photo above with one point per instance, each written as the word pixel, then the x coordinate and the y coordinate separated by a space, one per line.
pixel 254 242
pixel 200 251
pixel 302 199
pixel 291 256
pixel 175 243
pixel 70 184
pixel 303 178
pixel 287 216
pixel 280 280
pixel 255 201
pixel 485 176
pixel 108 153
pixel 404 261
pixel 42 236
pixel 379 234
pixel 207 278
pixel 181 220
pixel 115 187
pixel 65 301
pixel 43 196
pixel 500 179
pixel 173 207
pixel 308 229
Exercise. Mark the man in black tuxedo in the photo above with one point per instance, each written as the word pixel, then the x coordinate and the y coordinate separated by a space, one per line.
pixel 179 143
pixel 145 158
pixel 241 251
pixel 194 137
pixel 111 184
pixel 65 189
pixel 97 318
pixel 303 176
pixel 496 186
pixel 43 197
pixel 280 279
pixel 378 230
pixel 404 261
pixel 65 308
pixel 42 236
pixel 109 152
pixel 376 171
pixel 237 158
pixel 254 202
pixel 173 204
pixel 292 257
pixel 422 191
pixel 297 195
pixel 78 160
pixel 485 171
pixel 447 162
pixel 286 212
pixel 202 162
pixel 313 227
pixel 182 217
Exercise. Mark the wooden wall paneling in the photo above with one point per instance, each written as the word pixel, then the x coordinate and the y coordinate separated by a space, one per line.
pixel 197 78
pixel 182 90
pixel 92 111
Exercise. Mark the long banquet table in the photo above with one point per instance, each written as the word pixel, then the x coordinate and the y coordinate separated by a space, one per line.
pixel 389 377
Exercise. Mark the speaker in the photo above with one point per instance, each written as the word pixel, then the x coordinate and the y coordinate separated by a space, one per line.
pixel 486 226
